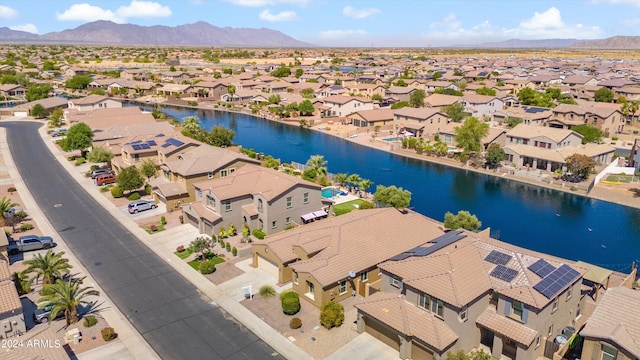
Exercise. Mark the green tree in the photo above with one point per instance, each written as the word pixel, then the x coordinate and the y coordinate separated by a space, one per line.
pixel 590 134
pixel 231 89
pixel 340 178
pixel 281 72
pixel 416 99
pixel 38 91
pixel 38 111
pixel 5 205
pixel 221 136
pixel 486 91
pixel 393 196
pixel 455 111
pixel 379 98
pixel 306 107
pixel 79 137
pixel 158 114
pixel 603 95
pixel 448 91
pixel 307 93
pixel 331 315
pixel 495 154
pixel 400 105
pixel 271 163
pixel 364 184
pixel 129 179
pixel 148 169
pixel 66 296
pixel 190 124
pixel 318 164
pixel 580 165
pixel 462 220
pixel 78 82
pixel 299 72
pixel 441 148
pixel 274 99
pixel 56 118
pixel 201 245
pixel 100 154
pixel 49 267
pixel 469 135
pixel 353 180
pixel 512 122
pixel 527 96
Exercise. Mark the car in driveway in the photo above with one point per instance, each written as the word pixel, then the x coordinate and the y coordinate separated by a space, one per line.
pixel 98 172
pixel 41 316
pixel 141 205
pixel 105 179
pixel 58 132
pixel 29 242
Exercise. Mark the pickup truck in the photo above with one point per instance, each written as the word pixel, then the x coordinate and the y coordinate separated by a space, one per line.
pixel 29 242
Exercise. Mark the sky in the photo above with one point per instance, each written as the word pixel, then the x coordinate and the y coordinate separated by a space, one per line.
pixel 355 23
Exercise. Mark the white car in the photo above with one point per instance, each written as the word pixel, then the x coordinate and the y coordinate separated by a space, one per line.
pixel 141 205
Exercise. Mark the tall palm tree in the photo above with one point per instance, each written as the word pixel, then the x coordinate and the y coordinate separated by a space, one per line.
pixel 340 178
pixel 353 180
pixel 191 123
pixel 66 296
pixel 441 148
pixel 364 184
pixel 319 164
pixel 50 267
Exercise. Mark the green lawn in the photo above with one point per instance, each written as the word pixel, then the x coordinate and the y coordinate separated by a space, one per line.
pixel 185 254
pixel 619 178
pixel 344 208
pixel 196 263
pixel 158 229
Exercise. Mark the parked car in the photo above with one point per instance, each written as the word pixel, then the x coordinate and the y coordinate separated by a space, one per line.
pixel 29 242
pixel 105 179
pixel 98 172
pixel 141 205
pixel 59 132
pixel 12 211
pixel 42 315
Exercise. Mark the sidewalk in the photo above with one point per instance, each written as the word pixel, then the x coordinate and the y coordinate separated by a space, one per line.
pixel 163 244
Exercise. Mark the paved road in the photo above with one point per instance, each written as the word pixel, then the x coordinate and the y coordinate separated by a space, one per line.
pixel 163 306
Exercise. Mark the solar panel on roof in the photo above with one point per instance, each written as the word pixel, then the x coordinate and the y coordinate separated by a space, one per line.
pixel 498 257
pixel 174 142
pixel 145 146
pixel 160 135
pixel 557 280
pixel 136 142
pixel 152 143
pixel 400 257
pixel 166 145
pixel 135 147
pixel 504 273
pixel 541 268
pixel 438 243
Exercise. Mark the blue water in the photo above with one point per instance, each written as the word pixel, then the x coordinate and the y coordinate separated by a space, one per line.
pixel 329 192
pixel 392 139
pixel 544 220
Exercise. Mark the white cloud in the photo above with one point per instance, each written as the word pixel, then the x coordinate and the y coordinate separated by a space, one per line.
pixel 340 34
pixel 141 9
pixel 266 15
pixel 7 12
pixel 261 3
pixel 30 28
pixel 350 11
pixel 547 20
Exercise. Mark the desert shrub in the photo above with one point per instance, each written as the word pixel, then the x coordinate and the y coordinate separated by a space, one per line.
pixel 105 188
pixel 234 251
pixel 26 227
pixel 258 233
pixel 331 314
pixel 228 247
pixel 163 220
pixel 366 205
pixel 221 243
pixel 108 333
pixel 80 161
pixel 116 192
pixel 267 291
pixel 11 189
pixel 290 302
pixel 134 196
pixel 89 321
pixel 295 323
pixel 207 267
pixel 147 189
pixel 94 167
pixel 614 138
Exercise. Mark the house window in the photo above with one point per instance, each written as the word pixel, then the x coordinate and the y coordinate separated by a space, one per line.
pixel 260 205
pixel 518 308
pixel 198 193
pixel 311 289
pixel 287 220
pixel 210 175
pixel 289 202
pixel 364 276
pixel 343 287
pixel 211 201
pixel 305 198
pixel 395 281
pixel 538 342
pixel 166 174
pixel 463 315
pixel 437 307
pixel 550 330
pixel 424 301
pixel 295 278
pixel 260 224
pixel 223 173
pixel 274 224
pixel 609 353
pixel 555 305
pixel 569 292
pixel 227 205
pixel 232 170
pixel 136 157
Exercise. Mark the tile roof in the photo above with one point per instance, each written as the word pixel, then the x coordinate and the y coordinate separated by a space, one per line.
pixel 617 319
pixel 532 131
pixel 202 211
pixel 506 326
pixel 215 158
pixel 339 99
pixel 5 272
pixel 394 311
pixel 418 113
pixel 9 299
pixel 437 100
pixel 478 99
pixel 102 118
pixel 90 100
pixel 375 114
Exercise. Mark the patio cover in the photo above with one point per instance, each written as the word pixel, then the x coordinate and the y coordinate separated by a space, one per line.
pixel 595 274
pixel 319 214
pixel 413 126
pixel 308 217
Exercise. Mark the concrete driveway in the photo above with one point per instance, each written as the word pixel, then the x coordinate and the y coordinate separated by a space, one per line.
pixel 364 346
pixel 161 209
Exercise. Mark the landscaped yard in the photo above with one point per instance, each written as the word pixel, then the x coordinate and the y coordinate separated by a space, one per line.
pixel 346 207
pixel 196 263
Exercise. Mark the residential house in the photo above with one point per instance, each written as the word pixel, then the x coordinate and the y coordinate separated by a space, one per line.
pixel 4 244
pixel 336 258
pixel 440 101
pixel 447 134
pixel 24 110
pixel 481 106
pixel 13 91
pixel 468 291
pixel 613 330
pixel 114 137
pixel 11 313
pixel 546 148
pixel 399 93
pixel 92 102
pixel 252 196
pixel 134 74
pixel 585 92
pixel 184 162
pixel 102 118
pixel 545 80
pixel 432 85
pixel 608 119
pixel 177 90
pixel 631 93
pixel 372 118
pixel 175 77
pixel 344 105
pixel 530 115
pixel 367 90
pixel 421 122
pixel 210 89
pixel 573 80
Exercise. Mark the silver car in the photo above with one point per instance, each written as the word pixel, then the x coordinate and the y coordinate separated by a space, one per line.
pixel 141 205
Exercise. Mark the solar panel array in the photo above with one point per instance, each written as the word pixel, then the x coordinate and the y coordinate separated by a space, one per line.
pixel 174 142
pixel 541 268
pixel 534 110
pixel 438 243
pixel 557 280
pixel 504 273
pixel 498 257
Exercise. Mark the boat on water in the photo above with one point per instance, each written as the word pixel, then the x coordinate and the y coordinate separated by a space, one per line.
pixel 353 136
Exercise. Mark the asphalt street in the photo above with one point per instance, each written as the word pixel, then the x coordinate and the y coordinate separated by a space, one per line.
pixel 164 307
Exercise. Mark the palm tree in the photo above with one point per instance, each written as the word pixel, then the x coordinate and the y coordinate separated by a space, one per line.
pixel 66 296
pixel 50 267
pixel 364 184
pixel 441 148
pixel 340 178
pixel 6 204
pixel 191 123
pixel 319 164
pixel 353 180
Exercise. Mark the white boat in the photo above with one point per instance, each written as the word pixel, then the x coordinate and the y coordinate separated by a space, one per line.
pixel 353 136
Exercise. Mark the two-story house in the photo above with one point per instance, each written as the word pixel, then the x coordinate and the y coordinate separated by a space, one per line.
pixel 12 91
pixel 92 102
pixel 421 122
pixel 481 105
pixel 607 118
pixel 399 93
pixel 372 118
pixel 344 105
pixel 471 292
pixel 210 89
pixel 252 196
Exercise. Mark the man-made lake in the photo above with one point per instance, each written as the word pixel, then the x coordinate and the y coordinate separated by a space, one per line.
pixel 549 221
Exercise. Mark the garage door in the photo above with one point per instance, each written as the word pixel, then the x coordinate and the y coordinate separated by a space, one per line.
pixel 192 220
pixel 269 267
pixel 382 333
pixel 208 228
pixel 420 353
pixel 20 114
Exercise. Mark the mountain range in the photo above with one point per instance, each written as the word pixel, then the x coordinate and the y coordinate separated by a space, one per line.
pixel 197 34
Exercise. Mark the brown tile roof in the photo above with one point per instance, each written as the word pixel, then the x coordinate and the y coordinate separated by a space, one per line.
pixel 5 272
pixel 166 188
pixel 507 327
pixel 254 179
pixel 617 319
pixel 205 213
pixel 339 99
pixel 409 320
pixel 532 131
pixel 437 100
pixel 582 110
pixel 478 99
pixel 205 159
pixel 375 114
pixel 9 299
pixel 103 118
pixel 250 209
pixel 418 113
pixel 128 130
pixel 91 99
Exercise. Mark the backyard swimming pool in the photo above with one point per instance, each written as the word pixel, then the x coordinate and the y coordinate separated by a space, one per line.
pixel 330 192
pixel 392 139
